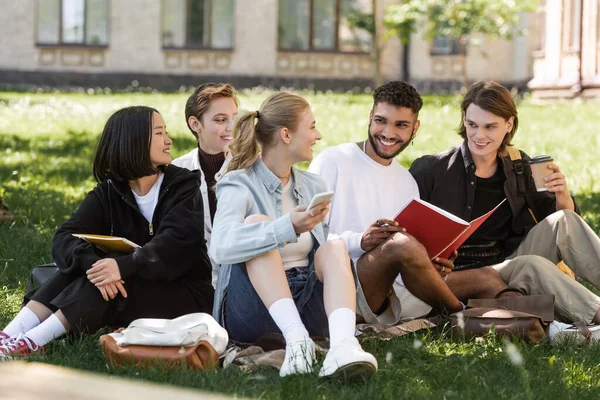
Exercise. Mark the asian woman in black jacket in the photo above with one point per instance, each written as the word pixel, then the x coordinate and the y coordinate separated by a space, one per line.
pixel 141 197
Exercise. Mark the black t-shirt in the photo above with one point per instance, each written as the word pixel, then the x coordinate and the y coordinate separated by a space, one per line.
pixel 486 246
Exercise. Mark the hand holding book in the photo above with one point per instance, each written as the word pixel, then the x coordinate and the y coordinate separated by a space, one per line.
pixel 445 265
pixel 378 232
pixel 438 230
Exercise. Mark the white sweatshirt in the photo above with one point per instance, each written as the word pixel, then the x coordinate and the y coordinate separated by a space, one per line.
pixel 365 191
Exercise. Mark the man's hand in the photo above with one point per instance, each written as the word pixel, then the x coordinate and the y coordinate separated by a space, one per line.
pixel 110 290
pixel 378 232
pixel 445 266
pixel 556 183
pixel 104 271
pixel 305 220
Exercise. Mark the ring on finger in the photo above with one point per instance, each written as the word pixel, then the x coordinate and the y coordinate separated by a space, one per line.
pixel 442 269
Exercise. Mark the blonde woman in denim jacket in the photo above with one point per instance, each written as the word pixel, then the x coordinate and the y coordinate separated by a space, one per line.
pixel 278 271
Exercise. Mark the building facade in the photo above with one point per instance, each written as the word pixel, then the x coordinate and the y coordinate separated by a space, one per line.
pixel 168 43
pixel 567 60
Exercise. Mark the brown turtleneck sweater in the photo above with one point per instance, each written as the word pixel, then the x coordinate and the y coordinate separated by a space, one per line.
pixel 211 164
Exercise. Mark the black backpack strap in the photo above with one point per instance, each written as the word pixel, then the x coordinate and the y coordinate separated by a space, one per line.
pixel 515 156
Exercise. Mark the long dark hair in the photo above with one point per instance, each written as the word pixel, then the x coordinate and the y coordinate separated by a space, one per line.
pixel 123 151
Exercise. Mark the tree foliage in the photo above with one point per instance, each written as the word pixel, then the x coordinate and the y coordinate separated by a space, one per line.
pixel 457 19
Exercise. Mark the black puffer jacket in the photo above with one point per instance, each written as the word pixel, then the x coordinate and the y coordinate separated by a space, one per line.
pixel 173 246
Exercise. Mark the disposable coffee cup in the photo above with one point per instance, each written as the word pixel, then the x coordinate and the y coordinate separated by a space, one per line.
pixel 540 170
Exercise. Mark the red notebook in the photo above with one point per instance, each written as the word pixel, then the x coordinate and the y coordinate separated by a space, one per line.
pixel 438 230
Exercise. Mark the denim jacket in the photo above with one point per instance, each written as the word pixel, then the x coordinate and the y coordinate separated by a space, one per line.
pixel 256 190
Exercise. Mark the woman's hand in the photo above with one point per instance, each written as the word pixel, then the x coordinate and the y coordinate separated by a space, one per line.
pixel 305 220
pixel 445 266
pixel 378 232
pixel 104 271
pixel 556 183
pixel 110 290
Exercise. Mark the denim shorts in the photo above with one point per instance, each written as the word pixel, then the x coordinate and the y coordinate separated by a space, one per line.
pixel 246 317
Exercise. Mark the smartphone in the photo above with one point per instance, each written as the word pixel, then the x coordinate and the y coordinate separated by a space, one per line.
pixel 319 198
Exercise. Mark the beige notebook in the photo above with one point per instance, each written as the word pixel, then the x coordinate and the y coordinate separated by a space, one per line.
pixel 109 243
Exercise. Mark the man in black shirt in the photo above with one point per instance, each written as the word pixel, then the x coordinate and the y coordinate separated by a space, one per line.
pixel 471 178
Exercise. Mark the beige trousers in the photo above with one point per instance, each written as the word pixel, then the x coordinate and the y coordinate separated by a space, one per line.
pixel 532 267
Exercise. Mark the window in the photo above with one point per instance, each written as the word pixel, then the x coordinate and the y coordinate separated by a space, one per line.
pixel 541 26
pixel 443 45
pixel 598 38
pixel 572 21
pixel 325 25
pixel 197 24
pixel 72 22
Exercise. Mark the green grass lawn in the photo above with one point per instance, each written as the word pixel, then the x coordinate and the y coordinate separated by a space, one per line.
pixel 47 143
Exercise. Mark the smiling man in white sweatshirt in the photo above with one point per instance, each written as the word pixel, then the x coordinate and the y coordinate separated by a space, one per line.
pixel 396 276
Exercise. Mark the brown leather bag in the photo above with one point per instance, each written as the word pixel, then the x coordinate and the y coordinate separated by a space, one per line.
pixel 199 356
pixel 524 316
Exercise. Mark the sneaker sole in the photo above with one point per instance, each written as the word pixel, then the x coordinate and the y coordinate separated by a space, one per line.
pixel 576 336
pixel 353 372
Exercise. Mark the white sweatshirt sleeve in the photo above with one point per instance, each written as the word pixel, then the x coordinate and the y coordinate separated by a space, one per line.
pixel 327 168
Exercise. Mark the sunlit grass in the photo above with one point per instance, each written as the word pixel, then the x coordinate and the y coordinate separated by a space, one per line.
pixel 47 144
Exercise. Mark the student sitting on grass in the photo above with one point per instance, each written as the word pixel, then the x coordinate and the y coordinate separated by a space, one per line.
pixel 397 279
pixel 278 273
pixel 209 114
pixel 471 178
pixel 139 197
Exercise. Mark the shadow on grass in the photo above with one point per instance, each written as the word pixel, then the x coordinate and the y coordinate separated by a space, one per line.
pixel 439 368
pixel 589 204
pixel 25 243
pixel 68 158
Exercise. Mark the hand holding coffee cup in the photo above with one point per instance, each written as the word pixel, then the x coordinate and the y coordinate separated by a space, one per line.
pixel 540 170
pixel 547 176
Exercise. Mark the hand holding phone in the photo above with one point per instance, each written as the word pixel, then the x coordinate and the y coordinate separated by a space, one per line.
pixel 319 198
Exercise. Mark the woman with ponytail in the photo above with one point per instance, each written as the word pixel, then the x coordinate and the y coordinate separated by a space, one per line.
pixel 278 271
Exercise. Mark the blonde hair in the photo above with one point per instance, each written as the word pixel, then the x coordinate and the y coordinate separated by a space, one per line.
pixel 278 111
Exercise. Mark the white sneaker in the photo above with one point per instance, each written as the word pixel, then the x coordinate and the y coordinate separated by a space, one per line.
pixel 299 358
pixel 348 361
pixel 558 331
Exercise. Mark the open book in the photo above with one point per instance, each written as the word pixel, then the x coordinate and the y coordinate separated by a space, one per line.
pixel 438 230
pixel 109 243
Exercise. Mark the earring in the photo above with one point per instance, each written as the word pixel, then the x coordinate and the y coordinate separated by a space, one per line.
pixel 412 143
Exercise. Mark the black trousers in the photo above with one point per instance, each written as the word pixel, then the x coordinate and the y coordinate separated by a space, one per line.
pixel 86 310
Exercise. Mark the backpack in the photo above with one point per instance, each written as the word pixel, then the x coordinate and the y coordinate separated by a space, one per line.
pixel 515 156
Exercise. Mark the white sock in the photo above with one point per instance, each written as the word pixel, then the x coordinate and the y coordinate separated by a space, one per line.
pixel 342 325
pixel 24 321
pixel 286 317
pixel 48 330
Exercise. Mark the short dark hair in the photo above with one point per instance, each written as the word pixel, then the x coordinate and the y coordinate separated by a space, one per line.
pixel 399 94
pixel 494 98
pixel 123 151
pixel 199 101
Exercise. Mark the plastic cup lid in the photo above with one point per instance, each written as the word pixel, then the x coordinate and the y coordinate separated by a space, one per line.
pixel 540 159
